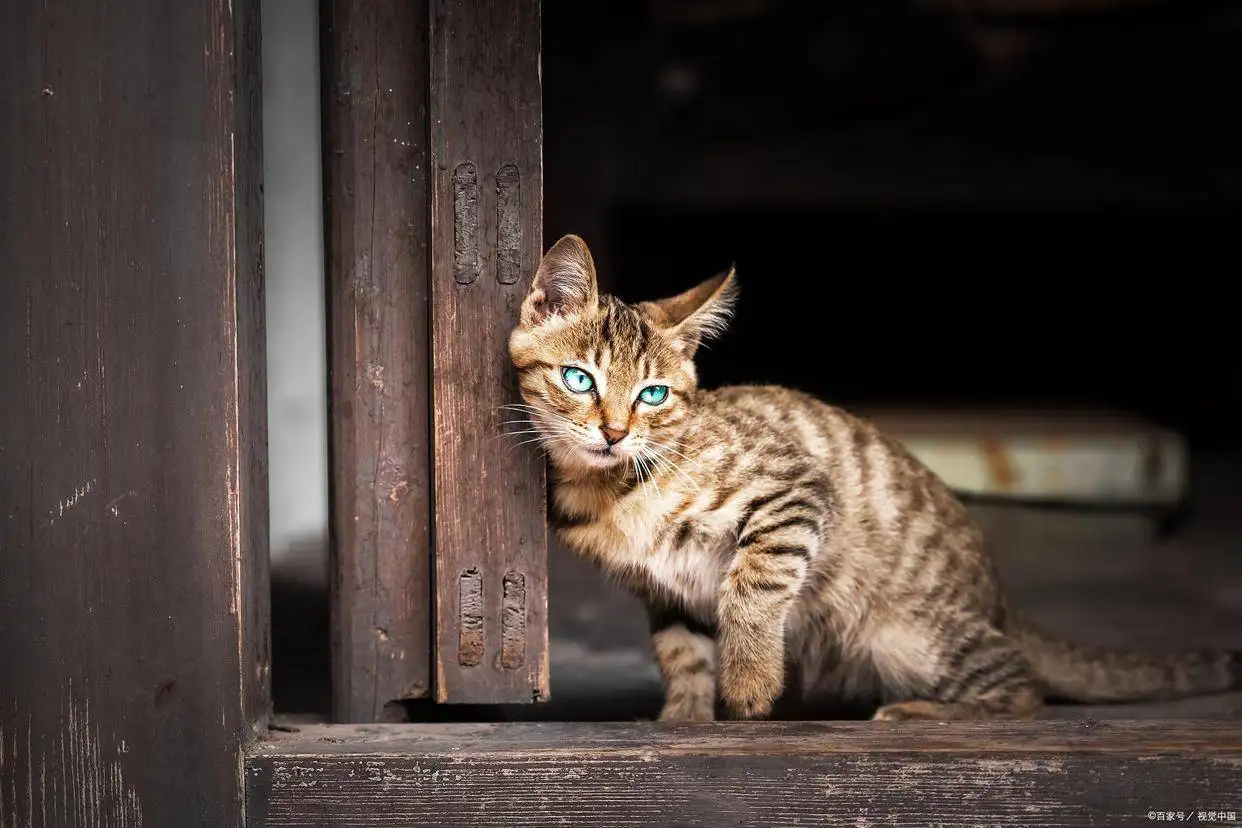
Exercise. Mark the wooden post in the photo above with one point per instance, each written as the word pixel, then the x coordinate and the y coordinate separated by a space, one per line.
pixel 486 240
pixel 375 105
pixel 133 490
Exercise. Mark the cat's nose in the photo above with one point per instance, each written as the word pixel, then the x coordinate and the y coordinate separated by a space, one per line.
pixel 613 435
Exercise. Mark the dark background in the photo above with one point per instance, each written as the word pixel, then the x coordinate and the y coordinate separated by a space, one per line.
pixel 924 205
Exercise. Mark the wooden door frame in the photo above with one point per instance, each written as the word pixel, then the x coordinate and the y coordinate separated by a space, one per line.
pixel 434 214
pixel 376 222
pixel 134 588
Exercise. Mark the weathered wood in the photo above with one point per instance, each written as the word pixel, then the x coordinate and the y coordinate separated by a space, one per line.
pixel 1029 773
pixel 760 738
pixel 250 551
pixel 486 240
pixel 133 491
pixel 375 104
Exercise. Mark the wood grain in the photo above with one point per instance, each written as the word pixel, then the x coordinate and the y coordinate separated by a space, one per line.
pixel 801 774
pixel 133 490
pixel 486 240
pixel 375 102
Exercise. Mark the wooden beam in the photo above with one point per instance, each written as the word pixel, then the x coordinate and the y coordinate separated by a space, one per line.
pixel 133 488
pixel 734 774
pixel 375 149
pixel 486 241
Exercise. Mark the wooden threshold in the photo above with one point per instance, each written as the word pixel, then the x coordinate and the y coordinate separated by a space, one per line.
pixel 733 774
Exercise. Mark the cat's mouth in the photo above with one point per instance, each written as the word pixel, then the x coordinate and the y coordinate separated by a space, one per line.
pixel 600 456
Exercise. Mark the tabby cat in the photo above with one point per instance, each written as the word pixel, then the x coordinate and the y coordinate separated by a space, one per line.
pixel 760 526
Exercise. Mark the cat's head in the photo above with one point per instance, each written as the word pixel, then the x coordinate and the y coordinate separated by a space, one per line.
pixel 609 384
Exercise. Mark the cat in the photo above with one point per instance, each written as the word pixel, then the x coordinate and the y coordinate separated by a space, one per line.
pixel 762 526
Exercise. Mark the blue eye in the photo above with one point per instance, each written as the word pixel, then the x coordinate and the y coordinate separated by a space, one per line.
pixel 577 380
pixel 654 394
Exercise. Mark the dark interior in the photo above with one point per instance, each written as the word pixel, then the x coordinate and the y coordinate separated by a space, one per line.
pixel 1053 188
pixel 962 307
pixel 925 206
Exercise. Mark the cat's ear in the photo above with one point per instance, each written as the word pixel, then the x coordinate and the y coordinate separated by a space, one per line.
pixel 564 285
pixel 699 314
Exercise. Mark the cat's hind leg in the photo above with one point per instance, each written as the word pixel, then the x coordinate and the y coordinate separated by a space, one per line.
pixel 986 677
pixel 1019 704
pixel 685 653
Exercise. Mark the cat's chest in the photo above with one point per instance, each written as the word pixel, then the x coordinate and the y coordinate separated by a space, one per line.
pixel 661 543
pixel 690 567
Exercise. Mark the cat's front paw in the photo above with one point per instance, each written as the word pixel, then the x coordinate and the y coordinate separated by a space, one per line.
pixel 749 699
pixel 748 709
pixel 749 687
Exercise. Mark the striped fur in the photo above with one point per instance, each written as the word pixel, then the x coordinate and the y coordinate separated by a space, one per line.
pixel 760 524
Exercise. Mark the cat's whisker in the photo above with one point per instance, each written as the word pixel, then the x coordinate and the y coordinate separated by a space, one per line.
pixel 672 465
pixel 658 461
pixel 538 431
pixel 656 483
pixel 544 442
pixel 680 475
pixel 667 447
pixel 567 433
pixel 524 413
pixel 539 440
pixel 657 449
pixel 538 435
pixel 650 477
pixel 550 424
pixel 527 430
pixel 640 471
pixel 650 482
pixel 638 477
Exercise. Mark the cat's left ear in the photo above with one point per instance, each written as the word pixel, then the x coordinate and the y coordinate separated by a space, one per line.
pixel 699 314
pixel 564 285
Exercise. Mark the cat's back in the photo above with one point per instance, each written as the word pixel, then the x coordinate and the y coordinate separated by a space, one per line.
pixel 783 421
pixel 764 430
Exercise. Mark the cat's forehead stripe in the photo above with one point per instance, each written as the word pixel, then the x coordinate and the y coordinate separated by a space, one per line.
pixel 624 331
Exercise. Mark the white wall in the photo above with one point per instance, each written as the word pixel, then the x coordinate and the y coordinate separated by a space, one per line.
pixel 297 380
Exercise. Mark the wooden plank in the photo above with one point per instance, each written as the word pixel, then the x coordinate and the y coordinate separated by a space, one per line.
pixel 741 774
pixel 486 218
pixel 133 492
pixel 758 738
pixel 375 59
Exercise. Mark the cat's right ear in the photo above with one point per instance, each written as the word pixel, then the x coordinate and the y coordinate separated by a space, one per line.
pixel 698 314
pixel 564 285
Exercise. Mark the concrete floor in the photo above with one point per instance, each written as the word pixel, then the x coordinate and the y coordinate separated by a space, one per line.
pixel 1097 577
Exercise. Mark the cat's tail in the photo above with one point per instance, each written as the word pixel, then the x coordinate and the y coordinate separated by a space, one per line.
pixel 1073 672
